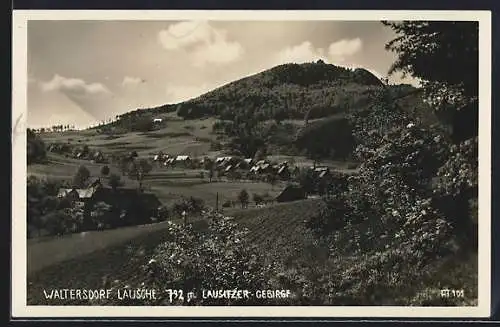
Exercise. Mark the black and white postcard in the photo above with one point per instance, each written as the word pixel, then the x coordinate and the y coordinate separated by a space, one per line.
pixel 251 163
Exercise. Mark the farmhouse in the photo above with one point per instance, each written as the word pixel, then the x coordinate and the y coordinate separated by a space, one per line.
pixel 169 161
pixel 283 172
pixel 160 156
pixel 223 159
pixel 321 172
pixel 98 156
pixel 69 193
pixel 182 159
pixel 291 193
pixel 132 201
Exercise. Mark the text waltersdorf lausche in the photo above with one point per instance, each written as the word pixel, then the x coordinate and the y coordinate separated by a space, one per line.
pixel 172 295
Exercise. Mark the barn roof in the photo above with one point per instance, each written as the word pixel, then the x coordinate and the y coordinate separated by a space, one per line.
pixel 261 162
pixel 86 193
pixel 222 159
pixel 282 169
pixel 63 192
pixel 323 174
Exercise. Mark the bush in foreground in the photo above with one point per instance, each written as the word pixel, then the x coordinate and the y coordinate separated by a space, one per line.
pixel 215 257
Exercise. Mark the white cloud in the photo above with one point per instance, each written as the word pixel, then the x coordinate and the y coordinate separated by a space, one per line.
pixel 185 34
pixel 132 81
pixel 73 86
pixel 306 52
pixel 217 53
pixel 302 53
pixel 205 44
pixel 344 48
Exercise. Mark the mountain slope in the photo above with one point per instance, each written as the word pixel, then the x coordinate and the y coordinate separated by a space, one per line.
pixel 291 91
pixel 285 91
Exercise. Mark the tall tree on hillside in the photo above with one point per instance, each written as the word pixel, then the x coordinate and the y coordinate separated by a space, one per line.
pixel 243 197
pixel 81 177
pixel 140 169
pixel 114 181
pixel 444 56
pixel 211 172
pixel 124 163
pixel 36 151
pixel 105 170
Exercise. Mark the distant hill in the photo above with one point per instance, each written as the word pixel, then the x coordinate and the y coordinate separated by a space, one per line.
pixel 285 92
pixel 304 92
pixel 288 90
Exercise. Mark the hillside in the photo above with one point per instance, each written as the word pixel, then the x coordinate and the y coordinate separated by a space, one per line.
pixel 287 91
pixel 269 109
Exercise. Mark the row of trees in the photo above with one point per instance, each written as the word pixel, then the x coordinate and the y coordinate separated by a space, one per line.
pixel 54 128
pixel 36 151
pixel 134 168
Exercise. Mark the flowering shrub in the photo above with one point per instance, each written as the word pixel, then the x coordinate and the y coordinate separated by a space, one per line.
pixel 399 213
pixel 460 172
pixel 188 205
pixel 211 258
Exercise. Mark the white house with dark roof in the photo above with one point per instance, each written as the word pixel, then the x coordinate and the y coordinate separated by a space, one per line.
pixel 182 158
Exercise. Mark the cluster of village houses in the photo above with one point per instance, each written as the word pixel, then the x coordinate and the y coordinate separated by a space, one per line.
pixel 96 156
pixel 224 165
pixel 228 164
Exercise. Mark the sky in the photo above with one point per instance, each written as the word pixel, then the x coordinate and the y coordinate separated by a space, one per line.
pixel 83 72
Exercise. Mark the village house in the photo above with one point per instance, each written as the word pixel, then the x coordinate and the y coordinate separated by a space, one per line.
pixel 169 162
pixel 223 162
pixel 223 159
pixel 131 201
pixel 98 157
pixel 183 159
pixel 160 156
pixel 321 172
pixel 283 172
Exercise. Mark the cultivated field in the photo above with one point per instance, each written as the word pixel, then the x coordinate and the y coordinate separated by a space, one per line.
pixel 178 137
pixel 84 261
